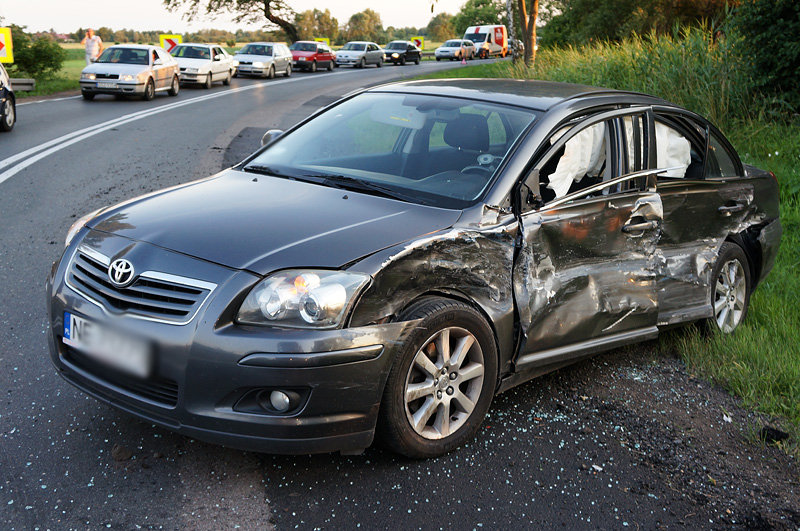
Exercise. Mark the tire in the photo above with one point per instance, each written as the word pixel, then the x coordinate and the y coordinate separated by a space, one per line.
pixel 288 72
pixel 271 73
pixel 403 61
pixel 175 88
pixel 362 63
pixel 313 66
pixel 416 61
pixel 443 423
pixel 330 66
pixel 149 90
pixel 730 289
pixel 88 96
pixel 438 58
pixel 207 82
pixel 9 117
pixel 236 73
pixel 380 63
pixel 227 80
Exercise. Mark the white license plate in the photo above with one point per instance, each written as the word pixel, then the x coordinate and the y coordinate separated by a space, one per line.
pixel 301 58
pixel 107 346
pixel 105 84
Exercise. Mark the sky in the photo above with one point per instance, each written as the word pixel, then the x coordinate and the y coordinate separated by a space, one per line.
pixel 68 15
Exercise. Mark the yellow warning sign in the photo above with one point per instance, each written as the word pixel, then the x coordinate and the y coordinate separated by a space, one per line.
pixel 169 42
pixel 6 48
pixel 326 40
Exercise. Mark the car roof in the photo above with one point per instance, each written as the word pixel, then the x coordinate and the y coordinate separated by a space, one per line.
pixel 310 42
pixel 534 94
pixel 136 46
pixel 198 44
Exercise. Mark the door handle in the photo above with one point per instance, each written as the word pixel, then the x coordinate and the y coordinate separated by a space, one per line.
pixel 727 210
pixel 639 227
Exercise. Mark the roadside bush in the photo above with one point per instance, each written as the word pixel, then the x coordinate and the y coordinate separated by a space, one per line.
pixel 231 43
pixel 770 39
pixel 38 57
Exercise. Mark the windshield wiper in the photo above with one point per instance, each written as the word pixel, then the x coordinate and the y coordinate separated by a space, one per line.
pixel 269 170
pixel 361 185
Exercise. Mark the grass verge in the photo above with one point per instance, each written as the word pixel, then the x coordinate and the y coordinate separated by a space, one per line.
pixel 761 362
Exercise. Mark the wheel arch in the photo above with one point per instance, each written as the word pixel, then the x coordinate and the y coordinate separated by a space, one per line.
pixel 748 241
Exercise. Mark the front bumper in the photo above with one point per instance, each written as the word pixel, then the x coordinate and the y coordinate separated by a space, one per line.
pixel 112 87
pixel 343 61
pixel 207 372
pixel 250 70
pixel 192 77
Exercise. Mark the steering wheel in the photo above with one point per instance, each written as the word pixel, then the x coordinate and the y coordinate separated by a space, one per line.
pixel 470 169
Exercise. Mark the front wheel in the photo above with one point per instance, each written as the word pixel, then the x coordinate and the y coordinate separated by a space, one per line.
pixel 149 90
pixel 175 88
pixel 207 82
pixel 330 66
pixel 441 385
pixel 416 61
pixel 9 117
pixel 88 96
pixel 313 66
pixel 730 291
pixel 380 63
pixel 271 72
pixel 362 63
pixel 227 80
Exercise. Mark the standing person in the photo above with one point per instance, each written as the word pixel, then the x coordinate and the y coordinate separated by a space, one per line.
pixel 94 45
pixel 463 53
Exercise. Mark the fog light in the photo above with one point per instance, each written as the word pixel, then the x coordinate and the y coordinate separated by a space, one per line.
pixel 279 400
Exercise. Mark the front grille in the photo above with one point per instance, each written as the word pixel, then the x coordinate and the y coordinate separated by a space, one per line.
pixel 106 76
pixel 146 297
pixel 245 62
pixel 161 390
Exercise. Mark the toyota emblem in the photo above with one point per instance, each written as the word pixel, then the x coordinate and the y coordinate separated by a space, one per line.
pixel 120 272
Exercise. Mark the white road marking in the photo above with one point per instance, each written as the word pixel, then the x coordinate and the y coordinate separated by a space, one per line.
pixel 48 100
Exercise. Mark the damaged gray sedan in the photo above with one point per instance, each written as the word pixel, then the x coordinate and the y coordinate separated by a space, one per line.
pixel 396 260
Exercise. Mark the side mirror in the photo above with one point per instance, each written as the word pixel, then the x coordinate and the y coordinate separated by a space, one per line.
pixel 218 58
pixel 158 62
pixel 270 136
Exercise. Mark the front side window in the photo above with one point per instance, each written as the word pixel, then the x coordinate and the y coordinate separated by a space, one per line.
pixel 191 52
pixel 257 49
pixel 427 149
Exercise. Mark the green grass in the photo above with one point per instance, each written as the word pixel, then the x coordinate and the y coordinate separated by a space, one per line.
pixel 761 362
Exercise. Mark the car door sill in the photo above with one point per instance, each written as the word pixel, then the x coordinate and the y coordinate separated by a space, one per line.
pixel 554 358
pixel 685 315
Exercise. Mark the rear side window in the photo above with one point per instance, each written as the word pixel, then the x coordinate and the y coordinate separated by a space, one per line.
pixel 720 162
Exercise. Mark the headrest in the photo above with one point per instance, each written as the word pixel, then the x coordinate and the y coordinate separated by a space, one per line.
pixel 469 132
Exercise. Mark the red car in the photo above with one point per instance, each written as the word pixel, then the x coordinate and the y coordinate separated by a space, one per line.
pixel 311 55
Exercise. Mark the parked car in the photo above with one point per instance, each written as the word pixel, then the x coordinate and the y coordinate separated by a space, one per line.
pixel 360 54
pixel 505 229
pixel 490 40
pixel 454 49
pixel 310 55
pixel 131 70
pixel 204 64
pixel 402 52
pixel 8 102
pixel 264 59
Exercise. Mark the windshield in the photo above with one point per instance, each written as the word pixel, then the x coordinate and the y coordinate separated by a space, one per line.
pixel 355 47
pixel 256 49
pixel 424 149
pixel 303 47
pixel 400 45
pixel 191 52
pixel 130 56
pixel 452 44
pixel 476 37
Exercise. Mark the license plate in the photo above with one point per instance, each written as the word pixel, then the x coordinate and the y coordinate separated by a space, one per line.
pixel 105 84
pixel 301 59
pixel 115 350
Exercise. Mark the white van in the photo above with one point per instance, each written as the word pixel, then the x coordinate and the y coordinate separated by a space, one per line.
pixel 490 40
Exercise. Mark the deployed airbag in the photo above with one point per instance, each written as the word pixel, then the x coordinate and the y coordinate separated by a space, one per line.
pixel 672 151
pixel 583 154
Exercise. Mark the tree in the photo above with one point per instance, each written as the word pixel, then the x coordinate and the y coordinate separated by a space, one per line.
pixel 35 56
pixel 316 23
pixel 364 26
pixel 527 23
pixel 276 12
pixel 440 28
pixel 479 12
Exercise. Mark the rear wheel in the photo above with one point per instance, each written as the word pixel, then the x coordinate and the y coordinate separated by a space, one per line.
pixel 442 383
pixel 730 291
pixel 149 90
pixel 175 88
pixel 9 117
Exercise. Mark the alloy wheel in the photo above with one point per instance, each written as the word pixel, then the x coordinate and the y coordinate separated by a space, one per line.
pixel 444 383
pixel 730 296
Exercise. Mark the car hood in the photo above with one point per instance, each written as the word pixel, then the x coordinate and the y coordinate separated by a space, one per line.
pixel 261 224
pixel 186 62
pixel 114 68
pixel 253 58
pixel 349 54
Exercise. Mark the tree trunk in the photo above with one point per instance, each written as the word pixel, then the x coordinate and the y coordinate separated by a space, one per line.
pixel 285 25
pixel 528 25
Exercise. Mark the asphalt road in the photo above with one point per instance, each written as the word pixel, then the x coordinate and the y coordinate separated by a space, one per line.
pixel 547 455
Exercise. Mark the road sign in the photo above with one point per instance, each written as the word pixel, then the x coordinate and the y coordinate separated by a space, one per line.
pixel 419 42
pixel 6 49
pixel 169 42
pixel 326 40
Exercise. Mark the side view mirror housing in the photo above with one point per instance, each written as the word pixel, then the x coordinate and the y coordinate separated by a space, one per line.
pixel 218 58
pixel 270 136
pixel 158 62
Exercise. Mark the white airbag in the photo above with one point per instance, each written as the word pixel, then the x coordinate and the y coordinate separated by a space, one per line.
pixel 672 151
pixel 584 154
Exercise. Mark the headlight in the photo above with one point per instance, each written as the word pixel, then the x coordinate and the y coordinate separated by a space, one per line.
pixel 90 77
pixel 127 77
pixel 259 64
pixel 302 298
pixel 78 225
pixel 395 55
pixel 191 70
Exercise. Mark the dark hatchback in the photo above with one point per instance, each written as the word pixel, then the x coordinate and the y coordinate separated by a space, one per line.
pixel 402 52
pixel 8 102
pixel 452 240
